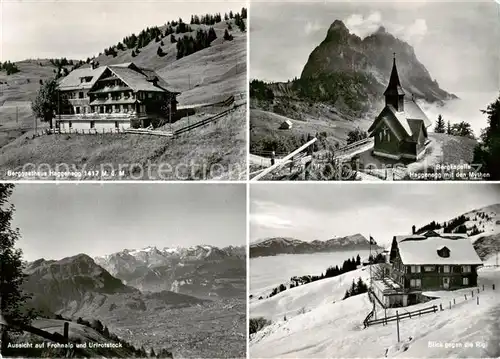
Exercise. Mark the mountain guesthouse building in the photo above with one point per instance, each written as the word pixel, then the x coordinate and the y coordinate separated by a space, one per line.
pixel 426 262
pixel 113 97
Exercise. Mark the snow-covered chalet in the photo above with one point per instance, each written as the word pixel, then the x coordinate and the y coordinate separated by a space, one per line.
pixel 426 262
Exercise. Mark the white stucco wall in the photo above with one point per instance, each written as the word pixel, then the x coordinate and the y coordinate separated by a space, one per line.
pixel 99 125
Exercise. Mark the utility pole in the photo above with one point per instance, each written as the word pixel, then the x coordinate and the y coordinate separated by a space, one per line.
pixel 58 106
pixel 170 112
pixel 370 262
pixel 397 323
pixel 189 86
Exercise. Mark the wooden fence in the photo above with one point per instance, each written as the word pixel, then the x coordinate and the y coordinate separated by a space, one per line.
pixel 415 313
pixel 70 131
pixel 472 295
pixel 372 312
pixel 205 121
pixel 352 146
pixel 144 131
pixel 55 337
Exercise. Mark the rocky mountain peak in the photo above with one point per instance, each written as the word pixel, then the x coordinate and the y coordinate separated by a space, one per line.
pixel 338 25
pixel 343 56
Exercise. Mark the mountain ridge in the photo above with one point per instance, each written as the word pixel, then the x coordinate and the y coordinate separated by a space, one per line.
pixel 279 245
pixel 202 270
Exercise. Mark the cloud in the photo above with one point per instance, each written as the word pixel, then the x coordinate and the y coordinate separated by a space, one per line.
pixel 311 27
pixel 269 221
pixel 416 31
pixel 364 26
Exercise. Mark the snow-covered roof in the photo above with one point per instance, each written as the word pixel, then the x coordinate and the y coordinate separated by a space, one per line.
pixel 404 237
pixel 387 285
pixel 422 252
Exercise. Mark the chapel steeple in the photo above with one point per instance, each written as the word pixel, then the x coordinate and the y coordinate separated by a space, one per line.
pixel 394 94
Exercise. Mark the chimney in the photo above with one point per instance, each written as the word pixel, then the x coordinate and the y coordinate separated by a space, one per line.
pixel 93 64
pixel 413 229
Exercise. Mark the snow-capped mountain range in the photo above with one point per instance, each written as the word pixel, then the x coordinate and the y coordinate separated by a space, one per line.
pixel 199 270
pixel 279 245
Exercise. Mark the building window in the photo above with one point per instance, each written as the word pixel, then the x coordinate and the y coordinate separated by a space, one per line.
pixel 116 124
pixel 150 95
pixel 388 136
pixel 443 252
pixel 446 269
pixel 465 281
pixel 429 269
pixel 381 135
pixel 465 269
pixel 80 95
pixel 415 283
pixel 101 109
pixel 70 124
pixel 125 108
pixel 92 124
pixel 77 109
pixel 415 269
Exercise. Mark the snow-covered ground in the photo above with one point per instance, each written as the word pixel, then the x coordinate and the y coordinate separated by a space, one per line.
pixel 269 272
pixel 306 297
pixel 334 329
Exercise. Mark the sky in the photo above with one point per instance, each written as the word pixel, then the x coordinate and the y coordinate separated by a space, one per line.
pixel 309 211
pixel 78 29
pixel 61 220
pixel 457 41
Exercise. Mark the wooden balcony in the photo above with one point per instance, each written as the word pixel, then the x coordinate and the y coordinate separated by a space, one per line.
pixel 101 116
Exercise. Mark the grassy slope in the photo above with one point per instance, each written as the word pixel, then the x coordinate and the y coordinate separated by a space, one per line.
pixel 265 124
pixel 445 149
pixel 211 74
pixel 222 143
pixel 77 332
pixel 23 85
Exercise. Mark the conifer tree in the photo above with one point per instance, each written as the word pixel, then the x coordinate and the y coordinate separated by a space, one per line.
pixel 12 297
pixel 487 153
pixel 440 126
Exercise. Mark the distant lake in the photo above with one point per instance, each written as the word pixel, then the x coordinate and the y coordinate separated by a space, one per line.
pixel 467 108
pixel 268 272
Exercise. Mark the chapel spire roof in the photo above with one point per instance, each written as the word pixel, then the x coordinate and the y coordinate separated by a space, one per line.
pixel 394 87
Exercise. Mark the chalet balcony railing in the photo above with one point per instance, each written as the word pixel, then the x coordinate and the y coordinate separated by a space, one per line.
pixel 99 116
pixel 79 101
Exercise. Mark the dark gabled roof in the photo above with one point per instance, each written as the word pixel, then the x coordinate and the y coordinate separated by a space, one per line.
pixel 138 79
pixel 135 80
pixel 160 81
pixel 416 126
pixel 399 127
pixel 394 86
pixel 403 124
